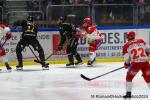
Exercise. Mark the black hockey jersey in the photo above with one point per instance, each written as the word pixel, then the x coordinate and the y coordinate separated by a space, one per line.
pixel 28 28
pixel 67 33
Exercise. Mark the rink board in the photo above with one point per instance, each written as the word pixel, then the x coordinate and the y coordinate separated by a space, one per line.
pixel 99 60
pixel 110 50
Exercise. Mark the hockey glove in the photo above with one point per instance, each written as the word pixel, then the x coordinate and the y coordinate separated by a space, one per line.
pixel 79 35
pixel 2 52
pixel 127 65
pixel 8 35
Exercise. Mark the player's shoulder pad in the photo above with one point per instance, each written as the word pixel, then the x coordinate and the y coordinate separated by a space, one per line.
pixel 140 41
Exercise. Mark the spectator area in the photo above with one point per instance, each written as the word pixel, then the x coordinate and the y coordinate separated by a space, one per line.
pixel 103 12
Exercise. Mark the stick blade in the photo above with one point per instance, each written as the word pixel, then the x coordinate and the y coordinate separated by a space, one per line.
pixel 84 77
pixel 38 61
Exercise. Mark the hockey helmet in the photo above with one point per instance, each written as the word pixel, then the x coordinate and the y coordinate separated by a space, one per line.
pixel 130 35
pixel 62 19
pixel 2 26
pixel 87 20
pixel 30 18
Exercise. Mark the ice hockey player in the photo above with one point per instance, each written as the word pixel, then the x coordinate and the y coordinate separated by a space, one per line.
pixel 93 36
pixel 29 37
pixel 68 35
pixel 5 31
pixel 135 53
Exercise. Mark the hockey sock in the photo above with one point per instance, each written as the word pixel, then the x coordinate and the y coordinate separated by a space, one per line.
pixel 7 66
pixel 78 57
pixel 70 58
pixel 128 86
pixel 20 64
pixel 5 59
pixel 92 56
pixel 41 55
pixel 148 85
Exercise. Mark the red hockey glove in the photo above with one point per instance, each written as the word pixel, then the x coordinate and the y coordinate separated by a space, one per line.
pixel 79 35
pixel 2 52
pixel 127 65
pixel 8 35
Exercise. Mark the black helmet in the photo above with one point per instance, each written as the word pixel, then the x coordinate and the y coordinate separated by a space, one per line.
pixel 62 19
pixel 30 18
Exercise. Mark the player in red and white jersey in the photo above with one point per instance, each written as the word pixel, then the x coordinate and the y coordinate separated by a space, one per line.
pixel 93 36
pixel 135 53
pixel 4 31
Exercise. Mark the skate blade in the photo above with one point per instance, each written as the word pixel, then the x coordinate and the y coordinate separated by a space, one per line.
pixel 45 68
pixel 19 69
pixel 72 66
pixel 9 70
pixel 127 99
pixel 79 64
pixel 91 65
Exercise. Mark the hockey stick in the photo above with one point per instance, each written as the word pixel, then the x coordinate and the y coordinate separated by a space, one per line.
pixel 89 79
pixel 4 42
pixel 50 55
pixel 45 59
pixel 37 59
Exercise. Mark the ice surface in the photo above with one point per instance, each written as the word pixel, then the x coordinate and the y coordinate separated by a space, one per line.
pixel 60 83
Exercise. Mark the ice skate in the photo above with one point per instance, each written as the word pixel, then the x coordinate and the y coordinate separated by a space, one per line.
pixel 127 96
pixel 70 65
pixel 78 63
pixel 8 67
pixel 91 63
pixel 79 60
pixel 45 66
pixel 19 68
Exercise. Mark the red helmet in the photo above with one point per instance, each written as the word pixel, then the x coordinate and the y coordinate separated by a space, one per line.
pixel 130 35
pixel 2 25
pixel 87 20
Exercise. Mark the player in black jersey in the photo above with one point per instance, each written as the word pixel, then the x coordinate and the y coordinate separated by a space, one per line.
pixel 29 37
pixel 68 35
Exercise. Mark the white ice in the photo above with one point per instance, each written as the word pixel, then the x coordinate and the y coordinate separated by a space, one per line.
pixel 60 83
